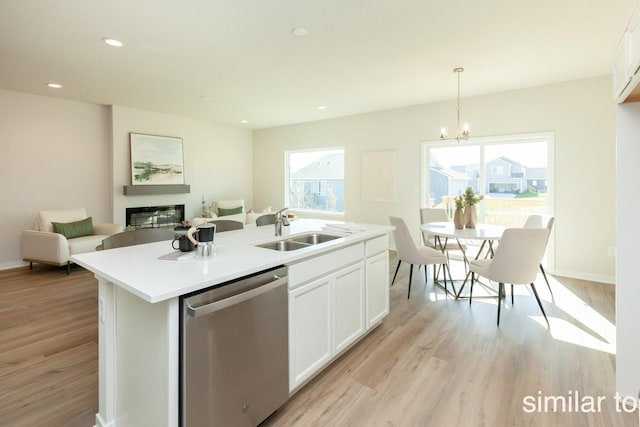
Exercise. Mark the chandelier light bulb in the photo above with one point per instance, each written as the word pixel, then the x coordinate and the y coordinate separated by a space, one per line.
pixel 463 131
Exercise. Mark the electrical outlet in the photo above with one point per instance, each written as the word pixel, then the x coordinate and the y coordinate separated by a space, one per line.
pixel 611 251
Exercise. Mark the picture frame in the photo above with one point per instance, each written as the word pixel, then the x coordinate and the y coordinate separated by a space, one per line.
pixel 156 160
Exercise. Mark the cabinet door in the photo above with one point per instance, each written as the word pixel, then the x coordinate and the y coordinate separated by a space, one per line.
pixel 634 43
pixel 377 289
pixel 621 75
pixel 309 330
pixel 348 306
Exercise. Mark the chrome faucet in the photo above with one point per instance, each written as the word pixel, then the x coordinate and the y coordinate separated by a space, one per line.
pixel 280 221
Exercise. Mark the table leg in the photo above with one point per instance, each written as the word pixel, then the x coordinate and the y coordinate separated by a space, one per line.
pixel 445 267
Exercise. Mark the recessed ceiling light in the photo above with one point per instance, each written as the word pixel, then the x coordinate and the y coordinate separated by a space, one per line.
pixel 244 122
pixel 205 98
pixel 54 85
pixel 299 31
pixel 321 107
pixel 112 42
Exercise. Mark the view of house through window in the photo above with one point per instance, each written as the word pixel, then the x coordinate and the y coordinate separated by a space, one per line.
pixel 511 172
pixel 315 180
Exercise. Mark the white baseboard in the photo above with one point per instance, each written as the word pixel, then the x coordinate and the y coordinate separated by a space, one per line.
pixel 600 278
pixel 101 423
pixel 12 264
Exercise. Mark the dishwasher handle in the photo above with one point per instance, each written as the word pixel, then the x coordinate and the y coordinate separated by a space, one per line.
pixel 235 299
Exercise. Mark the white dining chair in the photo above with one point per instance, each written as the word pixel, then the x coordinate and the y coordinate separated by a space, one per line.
pixel 541 221
pixel 515 261
pixel 410 253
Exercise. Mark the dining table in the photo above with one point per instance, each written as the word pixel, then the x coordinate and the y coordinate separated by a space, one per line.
pixel 485 234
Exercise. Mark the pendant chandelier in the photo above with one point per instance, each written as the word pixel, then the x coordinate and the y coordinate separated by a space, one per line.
pixel 463 132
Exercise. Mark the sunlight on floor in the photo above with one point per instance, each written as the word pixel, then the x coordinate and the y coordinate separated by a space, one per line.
pixel 572 320
pixel 595 331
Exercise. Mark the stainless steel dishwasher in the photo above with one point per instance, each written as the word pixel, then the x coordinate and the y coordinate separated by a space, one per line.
pixel 234 351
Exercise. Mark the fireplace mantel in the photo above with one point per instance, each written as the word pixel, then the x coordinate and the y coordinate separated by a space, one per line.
pixel 137 190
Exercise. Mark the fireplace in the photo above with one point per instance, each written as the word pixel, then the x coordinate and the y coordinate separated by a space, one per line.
pixel 168 216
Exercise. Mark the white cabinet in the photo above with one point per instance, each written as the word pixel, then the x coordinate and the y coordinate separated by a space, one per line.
pixel 633 42
pixel 327 309
pixel 326 315
pixel 309 330
pixel 621 75
pixel 348 307
pixel 377 279
pixel 626 62
pixel 334 299
pixel 377 273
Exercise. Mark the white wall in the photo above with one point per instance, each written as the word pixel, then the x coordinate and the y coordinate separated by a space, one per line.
pixel 218 160
pixel 55 154
pixel 581 113
pixel 628 234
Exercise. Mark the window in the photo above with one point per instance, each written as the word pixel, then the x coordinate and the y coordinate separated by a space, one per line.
pixel 513 173
pixel 315 180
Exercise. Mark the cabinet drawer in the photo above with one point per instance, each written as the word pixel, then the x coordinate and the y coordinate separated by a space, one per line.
pixel 377 245
pixel 320 265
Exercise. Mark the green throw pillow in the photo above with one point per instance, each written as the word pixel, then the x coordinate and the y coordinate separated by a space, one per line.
pixel 232 211
pixel 74 229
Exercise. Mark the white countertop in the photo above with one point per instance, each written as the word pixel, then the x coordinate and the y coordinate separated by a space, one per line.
pixel 152 272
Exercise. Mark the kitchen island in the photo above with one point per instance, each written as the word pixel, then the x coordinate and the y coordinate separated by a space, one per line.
pixel 338 292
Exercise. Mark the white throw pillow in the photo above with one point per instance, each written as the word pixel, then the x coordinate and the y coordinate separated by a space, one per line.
pixel 252 216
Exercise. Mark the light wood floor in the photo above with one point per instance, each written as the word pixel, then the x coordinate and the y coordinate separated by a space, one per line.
pixel 433 362
pixel 48 347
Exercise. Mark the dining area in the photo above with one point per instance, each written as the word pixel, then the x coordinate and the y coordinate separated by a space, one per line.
pixel 491 257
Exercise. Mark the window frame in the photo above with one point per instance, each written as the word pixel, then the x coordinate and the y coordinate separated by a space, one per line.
pixel 482 142
pixel 287 171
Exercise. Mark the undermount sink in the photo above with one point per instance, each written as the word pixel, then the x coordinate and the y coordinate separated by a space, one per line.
pixel 298 242
pixel 283 245
pixel 314 238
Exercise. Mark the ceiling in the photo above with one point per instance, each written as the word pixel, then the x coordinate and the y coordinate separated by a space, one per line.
pixel 237 60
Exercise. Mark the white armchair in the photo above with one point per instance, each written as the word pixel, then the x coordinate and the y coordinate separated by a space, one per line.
pixel 42 245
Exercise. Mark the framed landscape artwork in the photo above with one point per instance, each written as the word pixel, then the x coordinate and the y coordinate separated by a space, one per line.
pixel 156 160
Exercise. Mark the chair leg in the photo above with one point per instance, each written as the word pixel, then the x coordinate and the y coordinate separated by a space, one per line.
pixel 545 279
pixel 444 273
pixel 471 287
pixel 500 293
pixel 30 265
pixel 533 287
pixel 512 294
pixel 435 270
pixel 410 276
pixel 396 273
pixel 68 268
pixel 453 284
pixel 425 275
